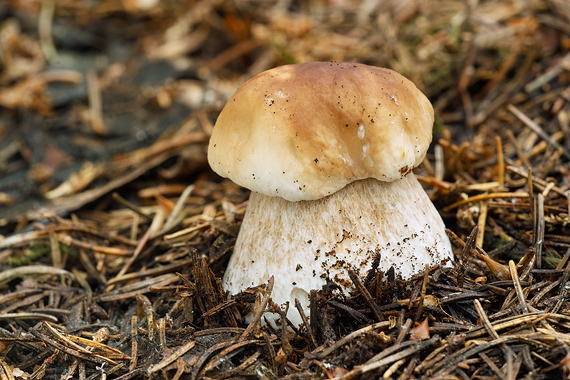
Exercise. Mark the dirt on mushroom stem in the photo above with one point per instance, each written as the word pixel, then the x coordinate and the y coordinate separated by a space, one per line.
pixel 308 243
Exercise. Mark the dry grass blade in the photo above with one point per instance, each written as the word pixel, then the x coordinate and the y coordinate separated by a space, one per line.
pixel 6 373
pixel 563 290
pixel 451 362
pixel 68 240
pixel 518 288
pixel 260 308
pixel 509 322
pixel 496 370
pixel 70 351
pixel 175 216
pixel 369 367
pixel 209 352
pixel 28 316
pixel 154 227
pixel 367 297
pixel 462 258
pixel 150 272
pixel 537 129
pixel 105 352
pixel 481 197
pixel 350 337
pixel 173 357
pixel 33 270
pixel 538 230
pixel 485 320
pixel 422 295
pixel 216 361
pixel 301 311
pixel 117 197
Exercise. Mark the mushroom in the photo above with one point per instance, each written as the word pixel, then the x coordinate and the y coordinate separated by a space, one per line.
pixel 327 150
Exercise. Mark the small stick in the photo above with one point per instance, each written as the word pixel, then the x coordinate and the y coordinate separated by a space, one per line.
pixel 313 310
pixel 172 218
pixel 393 368
pixel 181 350
pixel 56 256
pixel 492 366
pixel 520 153
pixel 481 197
pixel 549 186
pixel 134 342
pixel 535 180
pixel 497 269
pixel 162 332
pixel 501 162
pixel 481 221
pixel 379 284
pixel 434 357
pixel 360 317
pixel 306 322
pixel 526 263
pixel 95 104
pixel 404 330
pixel 8 275
pixel 371 366
pixel 423 293
pixel 408 370
pixel 353 335
pixel 69 350
pixel 549 75
pixel 563 290
pixel 259 311
pixel 564 259
pixel 45 21
pixel 27 316
pixel 518 287
pixel 154 226
pixel 82 371
pixel 539 225
pixel 439 163
pixel 222 355
pixel 532 204
pixel 485 320
pixel 144 308
pixel 369 300
pixel 69 241
pixel 131 206
pixel 465 252
pixel 207 353
pixel 537 129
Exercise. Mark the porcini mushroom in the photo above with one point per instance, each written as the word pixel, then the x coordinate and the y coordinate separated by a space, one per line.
pixel 327 150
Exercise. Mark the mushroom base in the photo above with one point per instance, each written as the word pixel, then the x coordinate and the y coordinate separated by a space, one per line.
pixel 303 244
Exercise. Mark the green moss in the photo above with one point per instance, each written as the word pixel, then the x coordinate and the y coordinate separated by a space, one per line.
pixel 287 57
pixel 438 128
pixel 36 251
pixel 549 260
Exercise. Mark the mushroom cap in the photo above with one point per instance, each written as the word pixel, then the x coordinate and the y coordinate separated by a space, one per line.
pixel 304 131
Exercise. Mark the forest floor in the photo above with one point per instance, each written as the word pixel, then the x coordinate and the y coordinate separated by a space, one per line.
pixel 114 232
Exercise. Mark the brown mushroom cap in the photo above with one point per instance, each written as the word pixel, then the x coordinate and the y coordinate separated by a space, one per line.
pixel 305 131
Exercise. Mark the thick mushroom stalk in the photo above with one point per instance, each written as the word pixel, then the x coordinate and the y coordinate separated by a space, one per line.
pixel 305 243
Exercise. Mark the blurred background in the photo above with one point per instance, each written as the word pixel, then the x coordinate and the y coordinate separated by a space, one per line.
pixel 84 84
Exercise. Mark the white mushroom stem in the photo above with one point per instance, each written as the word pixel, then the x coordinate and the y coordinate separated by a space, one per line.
pixel 304 243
